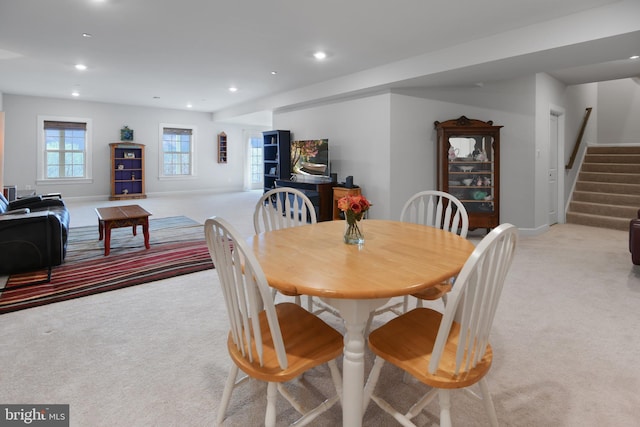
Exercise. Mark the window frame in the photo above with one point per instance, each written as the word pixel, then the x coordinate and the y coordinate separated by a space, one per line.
pixel 192 153
pixel 259 166
pixel 41 178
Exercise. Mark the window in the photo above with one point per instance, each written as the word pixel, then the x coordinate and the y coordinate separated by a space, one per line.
pixel 64 145
pixel 64 149
pixel 253 168
pixel 257 166
pixel 177 151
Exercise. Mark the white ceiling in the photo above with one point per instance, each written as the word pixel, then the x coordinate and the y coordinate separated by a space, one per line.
pixel 192 51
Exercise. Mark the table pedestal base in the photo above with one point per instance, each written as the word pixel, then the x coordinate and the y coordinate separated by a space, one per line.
pixel 355 314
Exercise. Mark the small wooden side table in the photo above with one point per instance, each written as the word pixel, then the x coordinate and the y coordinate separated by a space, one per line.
pixel 122 216
pixel 340 192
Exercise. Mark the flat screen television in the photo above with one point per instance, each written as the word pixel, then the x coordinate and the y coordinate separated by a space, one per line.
pixel 310 159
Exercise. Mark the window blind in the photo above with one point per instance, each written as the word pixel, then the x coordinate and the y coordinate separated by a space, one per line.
pixel 176 131
pixel 64 125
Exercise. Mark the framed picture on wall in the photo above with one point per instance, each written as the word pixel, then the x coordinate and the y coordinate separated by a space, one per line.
pixel 126 134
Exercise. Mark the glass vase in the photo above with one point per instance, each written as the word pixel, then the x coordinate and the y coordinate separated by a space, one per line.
pixel 353 232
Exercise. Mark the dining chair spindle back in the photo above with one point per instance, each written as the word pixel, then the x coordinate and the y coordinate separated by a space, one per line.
pixel 269 342
pixel 448 350
pixel 441 210
pixel 435 209
pixel 283 207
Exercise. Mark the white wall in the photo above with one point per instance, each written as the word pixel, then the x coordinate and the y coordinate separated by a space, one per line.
pixel 21 145
pixel 413 150
pixel 388 143
pixel 359 132
pixel 508 104
pixel 521 105
pixel 619 111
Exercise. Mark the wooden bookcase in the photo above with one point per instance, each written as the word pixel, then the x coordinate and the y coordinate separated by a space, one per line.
pixel 222 147
pixel 469 167
pixel 276 157
pixel 127 171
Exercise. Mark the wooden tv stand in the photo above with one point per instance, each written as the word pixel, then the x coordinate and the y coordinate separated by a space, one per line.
pixel 320 194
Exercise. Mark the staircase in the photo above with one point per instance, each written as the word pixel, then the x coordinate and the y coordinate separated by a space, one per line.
pixel 607 193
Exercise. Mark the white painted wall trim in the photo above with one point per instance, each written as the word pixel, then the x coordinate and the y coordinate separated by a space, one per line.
pixel 561 114
pixel 40 150
pixel 579 166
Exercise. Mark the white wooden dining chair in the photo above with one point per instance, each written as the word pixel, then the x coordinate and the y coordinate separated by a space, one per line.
pixel 441 210
pixel 436 209
pixel 285 207
pixel 268 342
pixel 451 350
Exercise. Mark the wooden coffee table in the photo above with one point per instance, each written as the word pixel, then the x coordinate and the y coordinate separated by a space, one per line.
pixel 122 216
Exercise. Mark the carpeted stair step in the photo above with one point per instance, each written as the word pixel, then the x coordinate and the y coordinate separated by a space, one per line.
pixel 614 149
pixel 598 221
pixel 612 168
pixel 612 158
pixel 607 198
pixel 627 212
pixel 621 178
pixel 608 187
pixel 607 191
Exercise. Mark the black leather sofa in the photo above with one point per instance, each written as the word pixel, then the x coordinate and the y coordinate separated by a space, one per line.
pixel 634 239
pixel 33 233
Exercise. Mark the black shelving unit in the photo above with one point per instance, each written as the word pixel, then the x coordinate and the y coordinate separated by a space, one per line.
pixel 276 156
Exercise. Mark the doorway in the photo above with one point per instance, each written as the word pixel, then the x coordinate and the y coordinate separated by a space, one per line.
pixel 253 164
pixel 555 193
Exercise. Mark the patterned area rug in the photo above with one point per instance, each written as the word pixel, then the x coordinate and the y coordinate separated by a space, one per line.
pixel 177 247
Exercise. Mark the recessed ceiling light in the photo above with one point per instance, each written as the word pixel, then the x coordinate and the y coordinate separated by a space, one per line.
pixel 75 93
pixel 233 89
pixel 320 55
pixel 87 35
pixel 189 106
pixel 81 67
pixel 274 73
pixel 634 57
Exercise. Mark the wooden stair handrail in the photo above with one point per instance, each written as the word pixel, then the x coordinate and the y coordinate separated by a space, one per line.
pixel 579 139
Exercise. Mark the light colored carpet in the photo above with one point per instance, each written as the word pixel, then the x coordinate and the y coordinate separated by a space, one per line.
pixel 565 341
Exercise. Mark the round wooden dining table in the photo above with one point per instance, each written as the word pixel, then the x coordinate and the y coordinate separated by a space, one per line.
pixel 396 259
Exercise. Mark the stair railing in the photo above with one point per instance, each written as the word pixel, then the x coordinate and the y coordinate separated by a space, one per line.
pixel 579 139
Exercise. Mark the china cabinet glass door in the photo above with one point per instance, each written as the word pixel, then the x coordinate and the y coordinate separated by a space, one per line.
pixel 471 171
pixel 469 167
